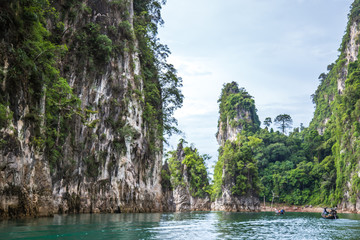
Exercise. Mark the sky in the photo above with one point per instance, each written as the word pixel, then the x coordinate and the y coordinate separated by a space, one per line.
pixel 275 49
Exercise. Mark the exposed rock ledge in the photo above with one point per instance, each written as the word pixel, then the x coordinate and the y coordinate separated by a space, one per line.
pixel 230 203
pixel 184 202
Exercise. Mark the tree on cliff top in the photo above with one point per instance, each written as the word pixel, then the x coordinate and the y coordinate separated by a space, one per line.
pixel 267 122
pixel 284 121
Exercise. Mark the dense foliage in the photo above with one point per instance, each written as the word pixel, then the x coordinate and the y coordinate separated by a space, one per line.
pixel 237 108
pixel 319 164
pixel 289 168
pixel 272 165
pixel 278 167
pixel 161 83
pixel 32 65
pixel 187 168
pixel 44 44
pixel 337 117
pixel 236 159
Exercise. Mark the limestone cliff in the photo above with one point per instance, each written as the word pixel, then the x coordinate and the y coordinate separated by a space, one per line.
pixel 168 200
pixel 237 112
pixel 337 115
pixel 188 185
pixel 235 183
pixel 81 130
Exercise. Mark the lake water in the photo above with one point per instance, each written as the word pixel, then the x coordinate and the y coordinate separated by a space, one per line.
pixel 195 225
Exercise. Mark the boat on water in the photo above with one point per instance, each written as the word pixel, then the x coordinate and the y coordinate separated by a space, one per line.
pixel 279 212
pixel 329 215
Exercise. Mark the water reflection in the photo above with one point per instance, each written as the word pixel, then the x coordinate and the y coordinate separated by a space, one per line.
pixel 83 226
pixel 194 225
pixel 288 226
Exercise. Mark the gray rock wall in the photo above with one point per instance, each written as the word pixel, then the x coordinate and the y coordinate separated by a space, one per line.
pixel 229 132
pixel 179 196
pixel 105 163
pixel 128 179
pixel 229 203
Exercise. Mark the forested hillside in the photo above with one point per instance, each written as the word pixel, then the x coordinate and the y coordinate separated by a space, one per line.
pixel 337 117
pixel 317 165
pixel 263 162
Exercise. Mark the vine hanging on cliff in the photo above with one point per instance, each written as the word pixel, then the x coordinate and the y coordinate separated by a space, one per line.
pixel 161 83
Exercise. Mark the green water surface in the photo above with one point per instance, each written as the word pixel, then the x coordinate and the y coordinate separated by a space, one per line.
pixel 194 225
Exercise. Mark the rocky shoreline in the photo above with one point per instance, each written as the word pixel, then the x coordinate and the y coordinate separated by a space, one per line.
pixel 294 208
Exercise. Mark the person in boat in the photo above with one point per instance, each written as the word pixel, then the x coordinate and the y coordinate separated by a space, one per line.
pixel 333 212
pixel 282 211
pixel 325 212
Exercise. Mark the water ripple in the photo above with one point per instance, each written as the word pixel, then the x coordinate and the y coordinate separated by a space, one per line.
pixel 195 225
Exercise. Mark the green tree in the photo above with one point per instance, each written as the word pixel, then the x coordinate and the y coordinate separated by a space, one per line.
pixel 5 117
pixel 284 121
pixel 267 122
pixel 187 165
pixel 161 83
pixel 235 101
pixel 237 163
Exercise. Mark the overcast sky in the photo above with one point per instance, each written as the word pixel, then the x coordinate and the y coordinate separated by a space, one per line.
pixel 275 49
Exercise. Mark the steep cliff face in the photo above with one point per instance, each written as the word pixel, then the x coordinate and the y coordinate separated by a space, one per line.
pixel 333 83
pixel 337 114
pixel 168 200
pixel 235 177
pixel 351 53
pixel 113 168
pixel 237 113
pixel 25 182
pixel 81 129
pixel 188 185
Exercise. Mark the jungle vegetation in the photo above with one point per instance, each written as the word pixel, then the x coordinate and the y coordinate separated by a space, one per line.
pixel 297 168
pixel 187 161
pixel 314 165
